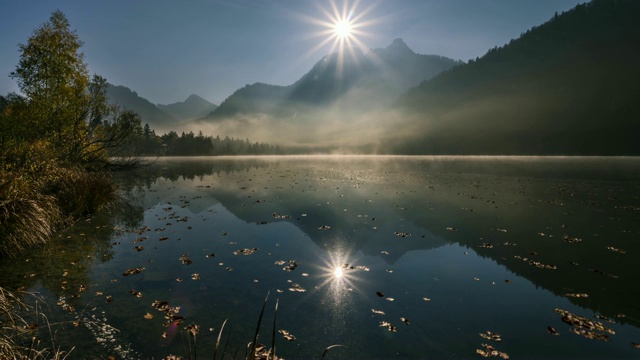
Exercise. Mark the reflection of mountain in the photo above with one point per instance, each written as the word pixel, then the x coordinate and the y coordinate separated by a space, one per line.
pixel 525 213
pixel 568 86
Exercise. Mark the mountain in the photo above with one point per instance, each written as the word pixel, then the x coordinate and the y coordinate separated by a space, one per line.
pixel 569 86
pixel 129 100
pixel 360 80
pixel 193 108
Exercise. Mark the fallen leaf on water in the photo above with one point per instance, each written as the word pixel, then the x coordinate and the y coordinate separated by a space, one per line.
pixel 139 248
pixel 552 331
pixel 245 251
pixel 426 299
pixel 137 294
pixel 404 320
pixel 402 234
pixel 490 351
pixel 389 326
pixel 619 251
pixel 184 259
pixel 148 316
pixel 390 299
pixel 574 295
pixel 296 288
pixel 133 271
pixel 488 335
pixel 195 276
pixel 287 335
pixel 380 293
pixel 379 312
pixel 635 345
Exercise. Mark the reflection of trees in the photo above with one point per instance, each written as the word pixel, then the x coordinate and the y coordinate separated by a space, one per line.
pixel 178 168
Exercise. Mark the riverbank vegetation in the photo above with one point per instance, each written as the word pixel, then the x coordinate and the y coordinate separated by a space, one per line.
pixel 55 139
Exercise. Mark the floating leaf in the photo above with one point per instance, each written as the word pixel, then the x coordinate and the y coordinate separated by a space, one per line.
pixel 296 288
pixel 184 259
pixel 148 316
pixel 491 336
pixel 137 294
pixel 324 227
pixel 614 249
pixel 426 299
pixel 133 271
pixel 635 345
pixel 389 326
pixel 380 293
pixel 489 351
pixel 245 251
pixel 571 239
pixel 585 327
pixel 402 234
pixel 287 335
pixel 139 248
pixel 379 312
pixel 291 266
pixel 552 331
pixel 404 320
pixel 574 295
pixel 195 276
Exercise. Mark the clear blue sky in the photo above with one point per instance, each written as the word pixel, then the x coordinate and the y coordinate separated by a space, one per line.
pixel 168 49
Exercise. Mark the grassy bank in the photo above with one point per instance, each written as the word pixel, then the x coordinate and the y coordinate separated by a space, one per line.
pixel 33 204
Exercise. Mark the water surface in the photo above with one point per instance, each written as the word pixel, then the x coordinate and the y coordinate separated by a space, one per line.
pixel 457 246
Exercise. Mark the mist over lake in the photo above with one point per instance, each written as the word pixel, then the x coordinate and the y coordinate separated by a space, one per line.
pixel 434 253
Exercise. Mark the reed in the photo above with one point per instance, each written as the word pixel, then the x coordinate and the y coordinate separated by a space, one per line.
pixel 33 207
pixel 22 325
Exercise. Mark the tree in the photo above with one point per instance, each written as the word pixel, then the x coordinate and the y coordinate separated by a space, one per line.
pixel 63 104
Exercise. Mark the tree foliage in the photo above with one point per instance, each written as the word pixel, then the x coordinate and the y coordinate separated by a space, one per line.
pixel 63 107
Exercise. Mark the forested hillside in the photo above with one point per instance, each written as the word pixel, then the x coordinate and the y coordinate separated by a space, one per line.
pixel 568 86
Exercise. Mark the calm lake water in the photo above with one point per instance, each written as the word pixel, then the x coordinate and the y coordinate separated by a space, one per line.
pixel 543 252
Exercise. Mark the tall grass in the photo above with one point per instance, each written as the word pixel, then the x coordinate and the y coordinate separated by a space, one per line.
pixel 20 329
pixel 33 206
pixel 27 218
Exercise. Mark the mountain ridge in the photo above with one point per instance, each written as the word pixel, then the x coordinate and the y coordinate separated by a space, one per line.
pixel 565 87
pixel 332 77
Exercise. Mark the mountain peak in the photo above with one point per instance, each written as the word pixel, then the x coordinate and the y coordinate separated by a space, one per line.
pixel 399 46
pixel 194 97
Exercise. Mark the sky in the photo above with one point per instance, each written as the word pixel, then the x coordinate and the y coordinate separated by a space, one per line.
pixel 167 50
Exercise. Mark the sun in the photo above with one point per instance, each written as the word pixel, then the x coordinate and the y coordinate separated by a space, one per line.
pixel 342 28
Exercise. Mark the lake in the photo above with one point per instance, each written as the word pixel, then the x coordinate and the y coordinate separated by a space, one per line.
pixel 390 257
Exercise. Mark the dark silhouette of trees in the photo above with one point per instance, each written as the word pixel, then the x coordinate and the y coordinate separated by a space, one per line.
pixel 190 144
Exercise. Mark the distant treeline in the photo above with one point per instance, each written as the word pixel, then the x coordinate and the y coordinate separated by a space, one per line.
pixel 146 142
